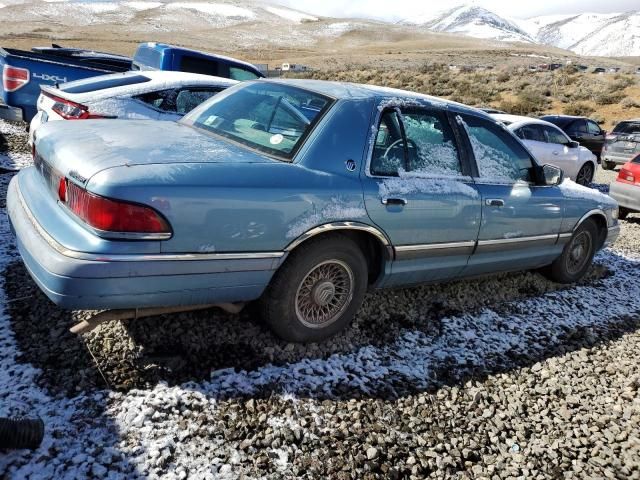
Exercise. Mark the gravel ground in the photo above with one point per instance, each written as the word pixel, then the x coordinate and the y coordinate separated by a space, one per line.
pixel 509 376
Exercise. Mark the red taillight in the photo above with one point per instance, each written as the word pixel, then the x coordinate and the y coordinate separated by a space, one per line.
pixel 14 78
pixel 111 215
pixel 627 176
pixel 70 110
pixel 62 189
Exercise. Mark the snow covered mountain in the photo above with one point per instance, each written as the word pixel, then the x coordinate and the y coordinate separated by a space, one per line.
pixel 611 34
pixel 473 21
pixel 245 23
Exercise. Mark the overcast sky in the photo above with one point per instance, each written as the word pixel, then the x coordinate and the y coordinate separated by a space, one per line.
pixel 401 9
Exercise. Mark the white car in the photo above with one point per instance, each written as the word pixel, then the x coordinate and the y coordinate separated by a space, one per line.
pixel 148 95
pixel 549 144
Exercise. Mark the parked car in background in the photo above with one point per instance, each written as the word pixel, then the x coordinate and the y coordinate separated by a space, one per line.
pixel 25 72
pixel 149 95
pixel 551 145
pixel 622 144
pixel 254 197
pixel 583 130
pixel 626 188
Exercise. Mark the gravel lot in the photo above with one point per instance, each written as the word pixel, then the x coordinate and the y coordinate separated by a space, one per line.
pixel 509 376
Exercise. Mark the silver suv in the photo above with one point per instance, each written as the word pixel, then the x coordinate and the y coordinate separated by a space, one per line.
pixel 622 144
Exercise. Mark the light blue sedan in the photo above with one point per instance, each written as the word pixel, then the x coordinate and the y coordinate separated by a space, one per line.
pixel 300 194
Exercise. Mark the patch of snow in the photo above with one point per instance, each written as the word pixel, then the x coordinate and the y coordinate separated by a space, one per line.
pixel 420 182
pixel 571 189
pixel 292 15
pixel 141 5
pixel 336 210
pixel 215 9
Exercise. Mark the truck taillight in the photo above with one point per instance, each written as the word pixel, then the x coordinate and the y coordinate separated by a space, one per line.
pixel 112 218
pixel 70 110
pixel 14 78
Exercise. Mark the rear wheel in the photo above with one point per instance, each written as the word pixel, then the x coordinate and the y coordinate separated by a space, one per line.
pixel 585 175
pixel 608 165
pixel 318 290
pixel 577 255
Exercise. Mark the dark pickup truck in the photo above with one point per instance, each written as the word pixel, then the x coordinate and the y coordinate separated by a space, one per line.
pixel 23 72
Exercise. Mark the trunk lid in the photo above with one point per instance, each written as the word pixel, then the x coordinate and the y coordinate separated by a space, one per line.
pixel 80 149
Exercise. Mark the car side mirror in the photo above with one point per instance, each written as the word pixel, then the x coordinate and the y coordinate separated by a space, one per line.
pixel 552 175
pixel 574 144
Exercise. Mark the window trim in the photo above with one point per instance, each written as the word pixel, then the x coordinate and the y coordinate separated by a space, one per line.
pixel 446 114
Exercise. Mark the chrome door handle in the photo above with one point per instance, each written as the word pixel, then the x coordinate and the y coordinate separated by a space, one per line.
pixel 494 202
pixel 394 201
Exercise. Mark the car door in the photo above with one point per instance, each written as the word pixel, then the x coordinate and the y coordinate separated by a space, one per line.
pixel 594 138
pixel 563 155
pixel 418 189
pixel 520 220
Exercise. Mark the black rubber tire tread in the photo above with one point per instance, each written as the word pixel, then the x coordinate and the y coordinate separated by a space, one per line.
pixel 623 213
pixel 557 271
pixel 277 304
pixel 608 165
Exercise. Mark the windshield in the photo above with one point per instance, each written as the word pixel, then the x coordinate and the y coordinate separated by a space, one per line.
pixel 269 117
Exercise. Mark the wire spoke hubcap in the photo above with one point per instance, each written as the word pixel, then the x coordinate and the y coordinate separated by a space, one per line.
pixel 578 252
pixel 324 294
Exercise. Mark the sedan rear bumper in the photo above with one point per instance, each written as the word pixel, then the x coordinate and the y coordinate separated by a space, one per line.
pixel 618 158
pixel 78 280
pixel 627 195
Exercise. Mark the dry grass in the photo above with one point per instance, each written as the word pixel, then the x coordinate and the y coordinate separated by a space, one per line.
pixel 606 98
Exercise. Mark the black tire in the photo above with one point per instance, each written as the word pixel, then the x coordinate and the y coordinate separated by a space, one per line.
pixel 608 165
pixel 576 256
pixel 316 274
pixel 585 175
pixel 623 213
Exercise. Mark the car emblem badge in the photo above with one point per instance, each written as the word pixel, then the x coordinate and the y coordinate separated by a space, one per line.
pixel 351 165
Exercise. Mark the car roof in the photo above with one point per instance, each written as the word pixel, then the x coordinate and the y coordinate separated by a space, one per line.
pixel 516 121
pixel 346 90
pixel 158 80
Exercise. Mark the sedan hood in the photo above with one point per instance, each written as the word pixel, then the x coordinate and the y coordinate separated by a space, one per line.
pixel 85 147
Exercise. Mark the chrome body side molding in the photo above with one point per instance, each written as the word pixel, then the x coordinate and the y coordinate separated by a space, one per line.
pixel 336 226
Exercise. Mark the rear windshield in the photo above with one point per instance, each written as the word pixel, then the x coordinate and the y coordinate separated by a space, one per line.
pixel 101 83
pixel 627 127
pixel 269 117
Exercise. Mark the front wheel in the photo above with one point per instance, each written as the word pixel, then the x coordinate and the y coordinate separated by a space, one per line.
pixel 585 175
pixel 577 255
pixel 317 291
pixel 608 165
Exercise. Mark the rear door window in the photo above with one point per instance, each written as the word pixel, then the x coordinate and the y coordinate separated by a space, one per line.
pixel 531 132
pixel 199 65
pixel 164 100
pixel 499 156
pixel 579 126
pixel 189 98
